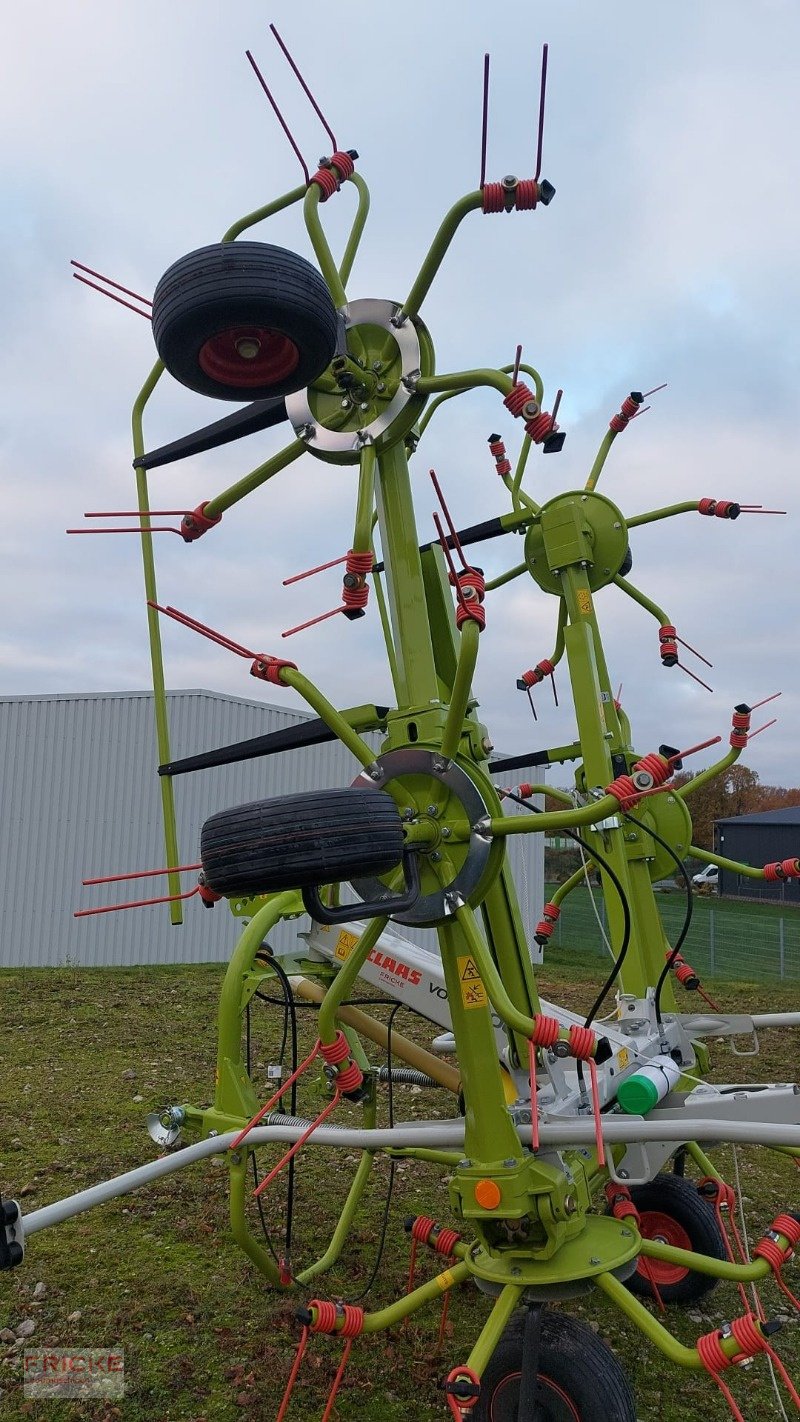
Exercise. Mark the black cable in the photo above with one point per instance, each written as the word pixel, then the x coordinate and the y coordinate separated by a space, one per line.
pixel 290 1005
pixel 623 898
pixel 689 910
pixel 390 1187
pixel 265 1230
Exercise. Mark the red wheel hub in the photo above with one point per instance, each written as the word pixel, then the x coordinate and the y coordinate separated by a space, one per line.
pixel 247 356
pixel 654 1225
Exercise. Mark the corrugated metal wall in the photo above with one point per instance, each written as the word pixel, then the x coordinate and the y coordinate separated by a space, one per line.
pixel 81 798
pixel 757 844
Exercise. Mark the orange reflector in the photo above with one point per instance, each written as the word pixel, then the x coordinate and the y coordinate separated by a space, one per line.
pixel 487 1194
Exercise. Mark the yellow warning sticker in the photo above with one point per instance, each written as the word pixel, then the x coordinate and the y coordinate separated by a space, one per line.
pixel 445 1280
pixel 584 601
pixel 345 944
pixel 473 993
pixel 623 1057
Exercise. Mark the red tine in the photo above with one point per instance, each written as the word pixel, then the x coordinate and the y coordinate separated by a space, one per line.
pixel 556 404
pixel 138 529
pixel 281 120
pixel 312 622
pixel 142 874
pixel 681 755
pixel 137 513
pixel 485 123
pixel 297 577
pixel 315 106
pixel 694 652
pixel 694 678
pixel 111 296
pixel 194 626
pixel 540 138
pixel 765 727
pixel 134 903
pixel 450 563
pixel 767 699
pixel 446 512
pixel 517 359
pixel 144 299
pixel 655 390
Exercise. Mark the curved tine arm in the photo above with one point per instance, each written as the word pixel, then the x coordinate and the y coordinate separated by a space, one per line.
pixel 451 394
pixel 554 819
pixel 365 500
pixel 669 512
pixel 261 213
pixel 438 249
pixel 647 603
pixel 703 776
pixel 573 882
pixel 735 865
pixel 357 229
pixel 600 459
pixel 462 380
pixel 254 479
pixel 327 712
pixel 322 250
pixel 507 577
pixel 462 689
pixel 342 984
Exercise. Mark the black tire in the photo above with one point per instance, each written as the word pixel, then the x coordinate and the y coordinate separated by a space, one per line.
pixel 671 1209
pixel 244 321
pixel 580 1380
pixel 322 837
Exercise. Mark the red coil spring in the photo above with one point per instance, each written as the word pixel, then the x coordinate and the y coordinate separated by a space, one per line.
pixel 656 765
pixel 629 408
pixel 545 1030
pixel 472 588
pixel 422 1228
pixel 355 589
pixel 446 1241
pixel 668 644
pixel 195 524
pixel 719 508
pixel 544 928
pixel 782 869
pixel 538 673
pixel 335 1052
pixel 624 790
pixel 686 976
pixel 326 179
pixel 494 197
pixel 349 1079
pixel 526 194
pixel 518 398
pixel 540 427
pixel 740 725
pixel 353 1321
pixel 266 668
pixel 327 1316
pixel 740 720
pixel 782 1224
pixel 619 1198
pixel 497 450
pixel 582 1043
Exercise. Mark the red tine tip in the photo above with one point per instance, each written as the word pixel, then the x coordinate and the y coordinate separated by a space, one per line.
pixel 138 513
pixel 142 874
pixel 540 135
pixel 145 300
pixel 446 512
pixel 556 404
pixel 694 677
pixel 111 296
pixel 281 120
pixel 765 727
pixel 485 121
pixel 312 622
pixel 681 755
pixel 517 359
pixel 297 577
pixel 773 697
pixel 315 106
pixel 694 652
pixel 655 390
pixel 135 903
pixel 157 529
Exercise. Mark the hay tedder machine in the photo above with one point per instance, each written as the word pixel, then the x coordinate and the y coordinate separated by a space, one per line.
pixel 578 1149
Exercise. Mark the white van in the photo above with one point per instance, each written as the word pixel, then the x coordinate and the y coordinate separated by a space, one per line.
pixel 708 878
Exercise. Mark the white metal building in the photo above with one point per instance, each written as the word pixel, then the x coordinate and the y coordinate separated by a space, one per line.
pixel 81 798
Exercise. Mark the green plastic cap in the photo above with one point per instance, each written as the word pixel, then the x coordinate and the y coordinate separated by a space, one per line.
pixel 637 1095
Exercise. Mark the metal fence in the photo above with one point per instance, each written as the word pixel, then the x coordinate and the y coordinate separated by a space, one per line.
pixel 721 943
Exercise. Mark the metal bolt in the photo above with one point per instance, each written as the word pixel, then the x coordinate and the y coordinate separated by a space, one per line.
pixel 345 403
pixel 516 1271
pixel 376 365
pixel 464 1164
pixel 433 809
pixel 446 832
pixel 435 856
pixel 624 1174
pixel 213 1133
pixel 487 746
pixel 307 431
pixel 510 1163
pixel 381 386
pixel 236 1158
pixel 408 816
pixel 363 405
pixel 570 1205
pixel 618 525
pixel 594 1259
pixel 584 497
pixel 626 1233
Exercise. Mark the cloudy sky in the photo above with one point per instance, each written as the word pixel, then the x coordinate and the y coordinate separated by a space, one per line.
pixel 136 132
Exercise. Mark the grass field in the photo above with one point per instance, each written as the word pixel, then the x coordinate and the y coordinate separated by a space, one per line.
pixel 86 1054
